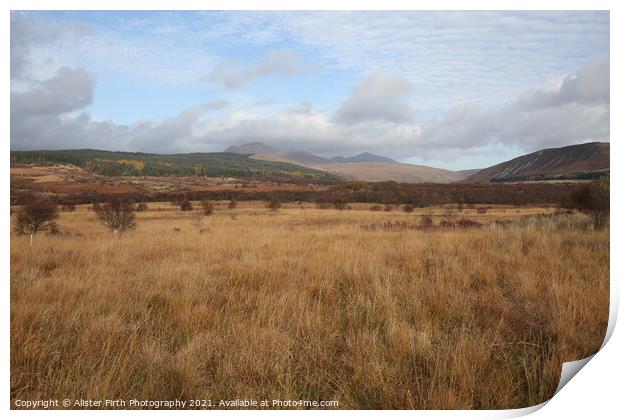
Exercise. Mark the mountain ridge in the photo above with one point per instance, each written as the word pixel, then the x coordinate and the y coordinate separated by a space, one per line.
pixel 579 161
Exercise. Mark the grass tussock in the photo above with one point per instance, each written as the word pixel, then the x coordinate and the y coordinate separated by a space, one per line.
pixel 305 304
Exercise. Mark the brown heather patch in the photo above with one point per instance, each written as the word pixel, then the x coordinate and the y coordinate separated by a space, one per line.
pixel 265 306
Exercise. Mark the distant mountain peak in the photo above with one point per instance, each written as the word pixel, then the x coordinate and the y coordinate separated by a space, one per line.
pixel 364 157
pixel 255 148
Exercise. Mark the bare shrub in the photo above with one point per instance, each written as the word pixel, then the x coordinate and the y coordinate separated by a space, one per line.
pixel 426 222
pixel 323 204
pixel 375 207
pixel 186 205
pixel 467 223
pixel 593 199
pixel 117 215
pixel 197 219
pixel 599 202
pixel 408 208
pixel 446 224
pixel 388 207
pixel 207 207
pixel 339 203
pixel 35 217
pixel 69 207
pixel 232 204
pixel 273 204
pixel 481 210
pixel 141 207
pixel 448 215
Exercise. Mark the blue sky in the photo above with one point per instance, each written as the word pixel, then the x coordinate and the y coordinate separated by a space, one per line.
pixel 450 89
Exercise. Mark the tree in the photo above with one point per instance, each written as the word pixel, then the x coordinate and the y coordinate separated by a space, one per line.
pixel 594 200
pixel 35 217
pixel 117 214
pixel 599 201
pixel 580 199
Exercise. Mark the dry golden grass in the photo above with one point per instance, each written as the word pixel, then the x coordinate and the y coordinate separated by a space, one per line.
pixel 305 304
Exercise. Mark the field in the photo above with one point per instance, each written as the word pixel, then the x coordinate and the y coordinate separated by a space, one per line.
pixel 358 306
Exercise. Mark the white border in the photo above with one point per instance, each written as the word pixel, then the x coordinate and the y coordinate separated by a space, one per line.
pixel 592 394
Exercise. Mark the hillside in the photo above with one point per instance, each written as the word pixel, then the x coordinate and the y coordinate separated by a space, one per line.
pixel 362 167
pixel 581 161
pixel 400 172
pixel 191 164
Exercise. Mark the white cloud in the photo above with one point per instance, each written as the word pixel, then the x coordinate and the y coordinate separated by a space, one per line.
pixel 378 97
pixel 69 90
pixel 231 75
pixel 472 69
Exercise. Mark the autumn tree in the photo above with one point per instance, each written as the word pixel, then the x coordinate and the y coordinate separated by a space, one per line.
pixel 117 215
pixel 35 217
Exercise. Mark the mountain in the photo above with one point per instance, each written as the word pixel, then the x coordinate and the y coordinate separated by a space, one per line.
pixel 364 157
pixel 301 157
pixel 362 167
pixel 251 149
pixel 581 161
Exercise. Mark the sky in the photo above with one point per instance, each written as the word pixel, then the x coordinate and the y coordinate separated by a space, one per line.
pixel 456 90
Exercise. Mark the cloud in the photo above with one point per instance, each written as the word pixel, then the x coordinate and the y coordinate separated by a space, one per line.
pixel 569 114
pixel 29 32
pixel 470 69
pixel 377 97
pixel 230 75
pixel 69 90
pixel 576 110
pixel 590 86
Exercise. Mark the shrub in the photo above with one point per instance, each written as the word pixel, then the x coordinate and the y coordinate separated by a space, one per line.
pixel 594 200
pixel 35 217
pixel 388 207
pixel 448 215
pixel 599 202
pixel 141 207
pixel 273 204
pixel 186 205
pixel 408 208
pixel 468 223
pixel 339 203
pixel 323 204
pixel 446 224
pixel 376 207
pixel 117 215
pixel 426 222
pixel 70 207
pixel 232 204
pixel 207 207
pixel 197 219
pixel 481 210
